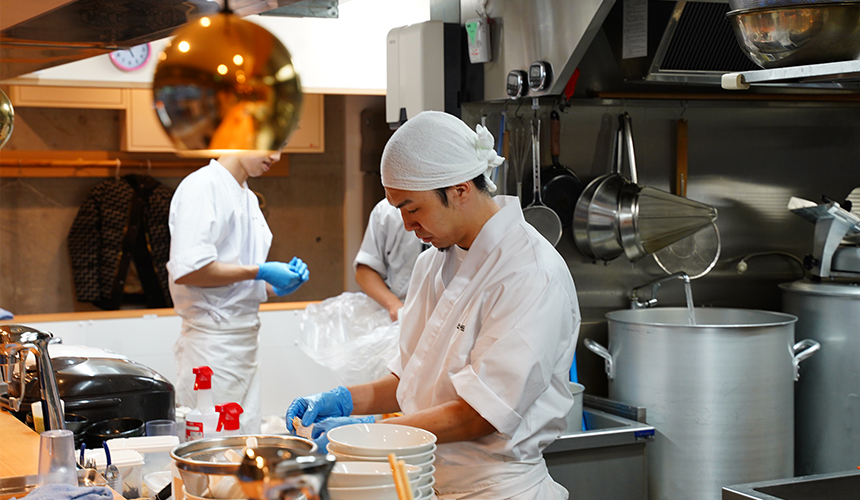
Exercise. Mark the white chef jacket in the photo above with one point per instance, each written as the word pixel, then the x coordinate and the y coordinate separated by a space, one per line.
pixel 212 218
pixel 388 248
pixel 499 331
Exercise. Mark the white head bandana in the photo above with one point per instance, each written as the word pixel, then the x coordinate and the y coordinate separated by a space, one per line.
pixel 437 150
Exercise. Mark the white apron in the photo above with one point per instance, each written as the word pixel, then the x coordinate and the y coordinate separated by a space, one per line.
pixel 499 331
pixel 231 353
pixel 534 484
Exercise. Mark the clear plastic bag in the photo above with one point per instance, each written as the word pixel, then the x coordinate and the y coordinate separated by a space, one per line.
pixel 352 335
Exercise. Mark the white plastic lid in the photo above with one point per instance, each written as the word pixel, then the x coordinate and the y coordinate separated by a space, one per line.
pixel 144 444
pixel 120 458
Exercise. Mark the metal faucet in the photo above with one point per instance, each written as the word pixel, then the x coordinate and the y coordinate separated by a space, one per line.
pixel 655 285
pixel 16 342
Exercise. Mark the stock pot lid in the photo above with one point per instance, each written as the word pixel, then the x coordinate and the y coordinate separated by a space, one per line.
pixel 847 290
pixel 706 317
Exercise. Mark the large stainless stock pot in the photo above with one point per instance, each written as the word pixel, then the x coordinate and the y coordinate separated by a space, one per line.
pixel 827 410
pixel 720 393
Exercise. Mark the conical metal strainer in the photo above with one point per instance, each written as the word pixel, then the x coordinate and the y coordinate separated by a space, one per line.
pixel 650 219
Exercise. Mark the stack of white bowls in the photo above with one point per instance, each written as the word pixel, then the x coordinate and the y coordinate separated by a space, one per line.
pixel 362 471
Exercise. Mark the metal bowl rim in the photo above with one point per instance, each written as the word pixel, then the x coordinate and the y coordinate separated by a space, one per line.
pixel 203 466
pixel 779 318
pixel 737 12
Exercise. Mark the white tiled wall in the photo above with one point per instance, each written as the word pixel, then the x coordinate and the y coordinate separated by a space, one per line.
pixel 287 372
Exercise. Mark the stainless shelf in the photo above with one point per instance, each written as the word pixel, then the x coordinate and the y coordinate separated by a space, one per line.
pixel 836 75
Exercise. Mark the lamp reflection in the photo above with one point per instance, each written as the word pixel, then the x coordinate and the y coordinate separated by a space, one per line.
pixel 233 87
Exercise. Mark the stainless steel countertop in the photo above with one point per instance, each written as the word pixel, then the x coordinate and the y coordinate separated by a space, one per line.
pixel 604 429
pixel 834 486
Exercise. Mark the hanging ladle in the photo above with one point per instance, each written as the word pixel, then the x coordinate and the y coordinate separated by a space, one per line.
pixel 540 216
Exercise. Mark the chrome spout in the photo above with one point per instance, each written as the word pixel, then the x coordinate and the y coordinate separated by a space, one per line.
pixel 655 285
pixel 16 342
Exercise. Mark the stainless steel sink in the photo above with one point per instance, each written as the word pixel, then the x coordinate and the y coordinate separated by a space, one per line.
pixel 835 486
pixel 589 463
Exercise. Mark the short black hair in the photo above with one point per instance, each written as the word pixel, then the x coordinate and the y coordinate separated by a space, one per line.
pixel 480 184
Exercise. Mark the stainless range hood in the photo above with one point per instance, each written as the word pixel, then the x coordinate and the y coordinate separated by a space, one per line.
pixel 687 43
pixel 37 34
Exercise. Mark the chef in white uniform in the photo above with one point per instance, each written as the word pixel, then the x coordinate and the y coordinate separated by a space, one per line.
pixel 219 241
pixel 385 260
pixel 488 330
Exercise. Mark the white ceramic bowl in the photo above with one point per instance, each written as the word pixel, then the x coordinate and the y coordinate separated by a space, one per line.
pixel 382 492
pixel 425 478
pixel 352 474
pixel 426 496
pixel 427 467
pixel 381 439
pixel 426 489
pixel 415 459
pixel 420 460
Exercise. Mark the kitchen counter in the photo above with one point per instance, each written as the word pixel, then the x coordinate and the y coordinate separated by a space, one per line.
pixel 19 455
pixel 24 319
pixel 832 486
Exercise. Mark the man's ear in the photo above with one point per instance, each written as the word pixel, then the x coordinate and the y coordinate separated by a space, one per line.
pixel 461 192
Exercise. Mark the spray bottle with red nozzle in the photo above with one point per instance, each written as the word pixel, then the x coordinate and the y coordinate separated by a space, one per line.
pixel 228 422
pixel 201 421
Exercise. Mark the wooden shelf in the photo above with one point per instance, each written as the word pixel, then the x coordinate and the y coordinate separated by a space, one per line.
pixel 68 97
pixel 23 164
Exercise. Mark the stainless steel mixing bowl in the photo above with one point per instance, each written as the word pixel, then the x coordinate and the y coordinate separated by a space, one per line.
pixel 756 4
pixel 794 35
pixel 201 463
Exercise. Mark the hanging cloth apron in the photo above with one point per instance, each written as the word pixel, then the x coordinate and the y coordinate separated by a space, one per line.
pixel 230 350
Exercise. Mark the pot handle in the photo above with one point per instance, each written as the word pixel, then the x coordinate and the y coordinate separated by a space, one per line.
pixel 603 353
pixel 626 125
pixel 802 350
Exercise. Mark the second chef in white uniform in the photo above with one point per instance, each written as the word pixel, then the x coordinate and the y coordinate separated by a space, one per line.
pixel 219 241
pixel 383 265
pixel 489 326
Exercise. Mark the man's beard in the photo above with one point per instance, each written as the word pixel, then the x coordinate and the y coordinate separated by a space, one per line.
pixel 444 249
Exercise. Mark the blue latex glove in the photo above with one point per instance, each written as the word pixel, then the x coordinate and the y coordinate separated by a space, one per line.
pixel 284 278
pixel 320 429
pixel 311 409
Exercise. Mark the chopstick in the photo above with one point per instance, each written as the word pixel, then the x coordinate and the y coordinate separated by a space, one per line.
pixel 401 479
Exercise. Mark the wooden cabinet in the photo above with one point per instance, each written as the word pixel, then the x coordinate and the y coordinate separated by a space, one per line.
pixel 309 136
pixel 68 97
pixel 142 132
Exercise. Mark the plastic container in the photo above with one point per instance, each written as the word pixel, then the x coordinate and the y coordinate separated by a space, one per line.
pixel 154 482
pixel 202 421
pixel 155 450
pixel 574 418
pixel 129 463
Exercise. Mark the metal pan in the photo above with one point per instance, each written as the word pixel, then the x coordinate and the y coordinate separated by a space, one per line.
pixel 560 187
pixel 595 225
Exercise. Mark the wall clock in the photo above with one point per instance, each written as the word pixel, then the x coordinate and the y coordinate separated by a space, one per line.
pixel 133 58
